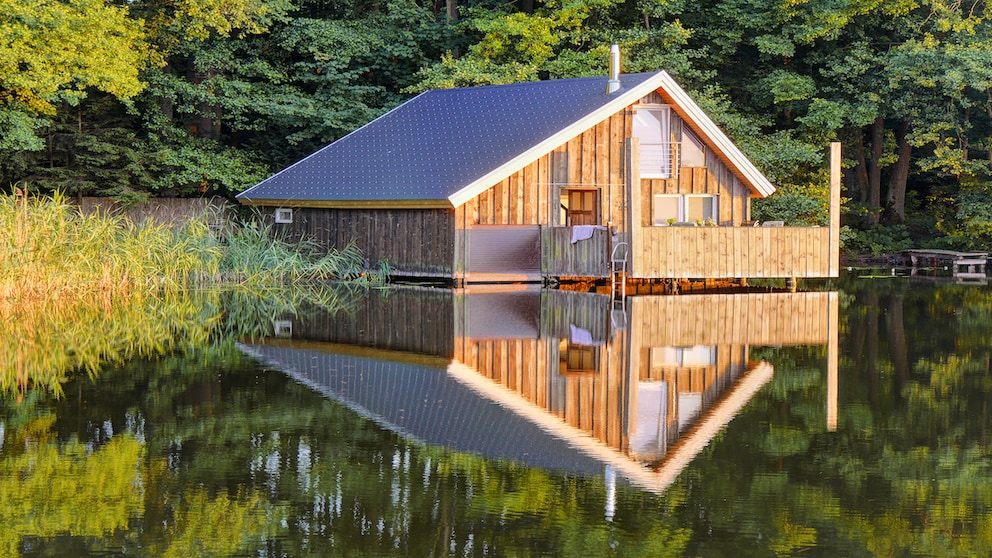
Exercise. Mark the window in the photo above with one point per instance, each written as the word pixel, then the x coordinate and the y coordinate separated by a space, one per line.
pixel 651 126
pixel 284 215
pixel 574 358
pixel 579 207
pixel 693 153
pixel 700 208
pixel 669 208
pixel 697 355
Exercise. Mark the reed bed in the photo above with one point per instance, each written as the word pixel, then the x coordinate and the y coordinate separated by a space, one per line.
pixel 78 291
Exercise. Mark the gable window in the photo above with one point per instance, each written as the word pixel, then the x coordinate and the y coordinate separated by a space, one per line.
pixel 693 153
pixel 695 208
pixel 652 126
pixel 579 207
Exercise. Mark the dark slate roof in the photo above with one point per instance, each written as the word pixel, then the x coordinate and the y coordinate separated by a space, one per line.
pixel 438 143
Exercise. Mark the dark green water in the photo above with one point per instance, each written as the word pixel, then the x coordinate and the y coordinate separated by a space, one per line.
pixel 219 454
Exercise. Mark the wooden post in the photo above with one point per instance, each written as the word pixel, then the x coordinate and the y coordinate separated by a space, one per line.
pixel 634 206
pixel 832 356
pixel 835 160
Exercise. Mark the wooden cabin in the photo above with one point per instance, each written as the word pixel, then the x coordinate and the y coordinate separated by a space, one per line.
pixel 570 178
pixel 580 380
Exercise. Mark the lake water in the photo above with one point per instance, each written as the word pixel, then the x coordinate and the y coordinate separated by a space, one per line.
pixel 852 421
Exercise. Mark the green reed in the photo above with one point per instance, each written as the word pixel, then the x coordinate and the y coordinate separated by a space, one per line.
pixel 78 291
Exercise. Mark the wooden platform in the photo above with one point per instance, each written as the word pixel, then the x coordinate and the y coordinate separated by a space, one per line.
pixel 963 263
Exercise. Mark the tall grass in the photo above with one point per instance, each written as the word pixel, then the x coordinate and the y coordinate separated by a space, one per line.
pixel 77 291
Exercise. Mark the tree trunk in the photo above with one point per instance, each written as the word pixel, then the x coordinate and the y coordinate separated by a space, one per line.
pixel 875 168
pixel 896 201
pixel 873 371
pixel 898 347
pixel 452 11
pixel 861 170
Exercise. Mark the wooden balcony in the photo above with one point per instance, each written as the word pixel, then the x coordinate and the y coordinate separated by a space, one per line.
pixel 732 252
pixel 561 257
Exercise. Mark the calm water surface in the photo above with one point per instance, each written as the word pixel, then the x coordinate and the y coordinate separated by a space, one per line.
pixel 853 422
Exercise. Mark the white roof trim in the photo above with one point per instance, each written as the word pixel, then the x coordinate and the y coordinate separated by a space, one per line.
pixel 486 181
pixel 751 175
pixel 754 178
pixel 657 480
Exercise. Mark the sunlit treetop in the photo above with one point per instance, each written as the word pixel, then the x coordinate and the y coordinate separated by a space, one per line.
pixel 52 51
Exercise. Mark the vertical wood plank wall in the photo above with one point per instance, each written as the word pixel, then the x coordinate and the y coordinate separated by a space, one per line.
pixel 414 320
pixel 731 252
pixel 415 242
pixel 761 319
pixel 596 159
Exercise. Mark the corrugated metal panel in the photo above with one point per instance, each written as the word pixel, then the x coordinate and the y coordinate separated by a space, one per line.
pixel 505 249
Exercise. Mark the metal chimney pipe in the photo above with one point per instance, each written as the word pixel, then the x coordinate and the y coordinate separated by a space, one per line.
pixel 614 83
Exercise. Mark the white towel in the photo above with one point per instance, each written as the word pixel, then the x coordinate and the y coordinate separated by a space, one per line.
pixel 580 336
pixel 583 232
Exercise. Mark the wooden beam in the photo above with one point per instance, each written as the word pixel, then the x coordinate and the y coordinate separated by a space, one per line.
pixel 835 160
pixel 634 227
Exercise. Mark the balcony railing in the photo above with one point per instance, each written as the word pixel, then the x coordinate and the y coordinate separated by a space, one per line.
pixel 731 252
pixel 561 257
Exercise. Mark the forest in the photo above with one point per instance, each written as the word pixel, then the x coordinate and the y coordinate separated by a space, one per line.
pixel 139 98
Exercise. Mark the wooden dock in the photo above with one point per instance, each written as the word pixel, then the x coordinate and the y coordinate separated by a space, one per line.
pixel 962 263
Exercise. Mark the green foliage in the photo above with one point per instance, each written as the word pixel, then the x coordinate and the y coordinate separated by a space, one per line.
pixel 795 205
pixel 878 240
pixel 972 227
pixel 205 167
pixel 52 52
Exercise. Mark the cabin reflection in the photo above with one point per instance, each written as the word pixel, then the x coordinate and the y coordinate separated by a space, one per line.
pixel 555 378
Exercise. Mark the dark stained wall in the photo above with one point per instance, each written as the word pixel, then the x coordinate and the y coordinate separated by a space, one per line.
pixel 415 242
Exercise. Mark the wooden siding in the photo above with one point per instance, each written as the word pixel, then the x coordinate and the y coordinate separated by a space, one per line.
pixel 715 178
pixel 562 309
pixel 585 258
pixel 592 160
pixel 734 319
pixel 415 242
pixel 413 320
pixel 731 252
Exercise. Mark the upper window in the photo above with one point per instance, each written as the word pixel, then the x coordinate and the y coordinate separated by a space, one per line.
pixel 652 127
pixel 697 355
pixel 693 153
